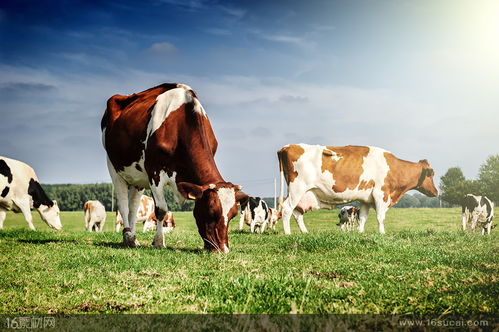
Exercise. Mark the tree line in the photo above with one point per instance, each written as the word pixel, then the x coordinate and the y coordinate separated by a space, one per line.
pixel 454 186
pixel 71 197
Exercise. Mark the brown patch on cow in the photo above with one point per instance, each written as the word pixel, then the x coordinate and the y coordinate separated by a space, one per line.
pixel 287 156
pixel 402 176
pixel 124 143
pixel 364 185
pixel 347 170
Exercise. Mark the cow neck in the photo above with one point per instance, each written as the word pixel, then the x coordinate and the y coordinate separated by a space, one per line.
pixel 411 173
pixel 204 168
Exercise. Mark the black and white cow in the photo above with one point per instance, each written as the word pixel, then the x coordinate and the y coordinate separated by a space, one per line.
pixel 20 191
pixel 477 211
pixel 348 218
pixel 256 213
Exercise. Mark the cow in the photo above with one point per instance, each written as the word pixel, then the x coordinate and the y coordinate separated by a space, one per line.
pixel 321 177
pixel 95 216
pixel 256 213
pixel 477 211
pixel 162 137
pixel 20 191
pixel 348 218
pixel 146 215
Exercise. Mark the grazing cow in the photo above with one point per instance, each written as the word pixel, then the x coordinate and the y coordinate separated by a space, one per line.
pixel 256 213
pixel 477 210
pixel 348 218
pixel 20 191
pixel 146 215
pixel 162 137
pixel 95 216
pixel 320 177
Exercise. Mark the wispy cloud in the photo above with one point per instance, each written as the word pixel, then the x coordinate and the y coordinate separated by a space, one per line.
pixel 235 12
pixel 294 40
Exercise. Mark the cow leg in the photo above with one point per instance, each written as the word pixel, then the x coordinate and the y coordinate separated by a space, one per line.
pixel 25 206
pixel 101 225
pixel 118 226
pixel 299 220
pixel 363 213
pixel 3 214
pixel 489 226
pixel 289 205
pixel 241 220
pixel 90 225
pixel 252 225
pixel 464 222
pixel 262 228
pixel 474 220
pixel 380 215
pixel 133 205
pixel 160 210
pixel 121 189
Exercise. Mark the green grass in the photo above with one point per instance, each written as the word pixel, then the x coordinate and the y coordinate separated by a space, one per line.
pixel 424 264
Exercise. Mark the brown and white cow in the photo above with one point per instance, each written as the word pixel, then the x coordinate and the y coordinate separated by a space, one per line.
pixel 146 215
pixel 20 191
pixel 320 177
pixel 95 216
pixel 162 137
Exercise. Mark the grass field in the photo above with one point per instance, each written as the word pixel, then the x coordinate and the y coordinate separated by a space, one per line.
pixel 424 264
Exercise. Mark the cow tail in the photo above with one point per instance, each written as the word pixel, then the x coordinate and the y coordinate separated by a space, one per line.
pixel 86 208
pixel 281 187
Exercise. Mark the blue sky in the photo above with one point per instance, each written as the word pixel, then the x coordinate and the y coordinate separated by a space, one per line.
pixel 418 78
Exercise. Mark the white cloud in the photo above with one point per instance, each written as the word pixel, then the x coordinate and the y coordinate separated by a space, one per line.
pixel 162 49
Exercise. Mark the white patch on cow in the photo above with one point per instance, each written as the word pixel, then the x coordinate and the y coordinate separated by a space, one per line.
pixel 166 103
pixel 136 177
pixel 227 197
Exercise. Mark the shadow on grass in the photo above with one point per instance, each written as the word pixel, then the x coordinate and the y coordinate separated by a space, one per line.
pixel 46 241
pixel 119 245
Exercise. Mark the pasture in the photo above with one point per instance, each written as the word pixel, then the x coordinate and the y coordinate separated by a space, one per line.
pixel 423 265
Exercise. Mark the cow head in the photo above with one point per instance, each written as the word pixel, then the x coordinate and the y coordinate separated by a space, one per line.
pixel 216 205
pixel 425 184
pixel 275 215
pixel 50 214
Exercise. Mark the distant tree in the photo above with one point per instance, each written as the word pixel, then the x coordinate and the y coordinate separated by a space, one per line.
pixel 428 202
pixel 453 186
pixel 71 197
pixel 408 201
pixel 488 178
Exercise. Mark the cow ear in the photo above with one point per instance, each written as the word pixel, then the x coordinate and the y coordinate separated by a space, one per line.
pixel 241 198
pixel 190 190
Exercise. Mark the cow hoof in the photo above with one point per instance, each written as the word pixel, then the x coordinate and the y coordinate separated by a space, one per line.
pixel 129 240
pixel 159 242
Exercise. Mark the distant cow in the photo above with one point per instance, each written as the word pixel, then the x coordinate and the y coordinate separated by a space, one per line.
pixel 146 215
pixel 95 216
pixel 256 213
pixel 20 191
pixel 162 137
pixel 321 177
pixel 477 211
pixel 348 218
